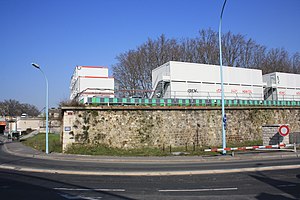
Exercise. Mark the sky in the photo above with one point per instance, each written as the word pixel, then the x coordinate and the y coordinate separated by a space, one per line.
pixel 61 34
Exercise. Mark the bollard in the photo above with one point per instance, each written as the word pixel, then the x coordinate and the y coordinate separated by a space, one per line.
pixel 194 146
pixel 295 138
pixel 295 148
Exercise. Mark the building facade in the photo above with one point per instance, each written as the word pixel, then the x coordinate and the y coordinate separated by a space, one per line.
pixel 90 81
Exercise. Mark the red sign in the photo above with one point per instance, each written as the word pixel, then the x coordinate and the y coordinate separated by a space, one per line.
pixel 284 130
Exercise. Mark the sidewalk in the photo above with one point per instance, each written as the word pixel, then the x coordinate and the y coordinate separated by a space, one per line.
pixel 18 149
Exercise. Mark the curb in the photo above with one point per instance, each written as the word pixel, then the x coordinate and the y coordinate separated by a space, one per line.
pixel 147 173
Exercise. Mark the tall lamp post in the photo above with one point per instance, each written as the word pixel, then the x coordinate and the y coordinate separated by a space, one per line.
pixel 47 107
pixel 222 83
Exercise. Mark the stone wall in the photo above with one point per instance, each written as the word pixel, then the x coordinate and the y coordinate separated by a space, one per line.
pixel 134 127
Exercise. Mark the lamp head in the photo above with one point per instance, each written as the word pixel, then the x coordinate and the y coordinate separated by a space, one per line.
pixel 35 65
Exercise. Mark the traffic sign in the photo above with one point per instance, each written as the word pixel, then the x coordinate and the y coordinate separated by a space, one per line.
pixel 225 121
pixel 284 130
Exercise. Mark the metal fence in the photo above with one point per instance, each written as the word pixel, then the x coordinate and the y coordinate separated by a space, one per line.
pixel 185 102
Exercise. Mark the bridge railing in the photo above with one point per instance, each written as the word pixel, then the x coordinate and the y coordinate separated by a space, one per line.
pixel 185 102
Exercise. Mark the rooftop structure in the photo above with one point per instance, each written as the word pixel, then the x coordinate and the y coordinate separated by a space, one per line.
pixel 91 81
pixel 201 81
pixel 282 86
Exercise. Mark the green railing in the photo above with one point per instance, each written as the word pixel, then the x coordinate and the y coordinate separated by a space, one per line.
pixel 186 102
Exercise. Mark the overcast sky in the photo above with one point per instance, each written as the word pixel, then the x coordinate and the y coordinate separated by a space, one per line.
pixel 60 34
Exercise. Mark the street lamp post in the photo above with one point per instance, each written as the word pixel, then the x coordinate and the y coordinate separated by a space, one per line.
pixel 222 83
pixel 47 107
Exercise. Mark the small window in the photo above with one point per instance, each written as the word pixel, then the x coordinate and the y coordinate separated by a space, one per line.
pixel 273 79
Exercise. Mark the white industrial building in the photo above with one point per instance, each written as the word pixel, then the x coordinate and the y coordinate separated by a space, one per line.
pixel 91 81
pixel 183 80
pixel 201 81
pixel 282 86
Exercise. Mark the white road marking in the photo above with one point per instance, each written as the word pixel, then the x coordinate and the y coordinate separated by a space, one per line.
pixel 91 189
pixel 199 190
pixel 79 197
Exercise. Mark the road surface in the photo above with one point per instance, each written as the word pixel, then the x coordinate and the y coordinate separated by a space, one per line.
pixel 267 176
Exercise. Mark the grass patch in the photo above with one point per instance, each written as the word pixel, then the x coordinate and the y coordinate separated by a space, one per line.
pixel 245 143
pixel 39 142
pixel 86 149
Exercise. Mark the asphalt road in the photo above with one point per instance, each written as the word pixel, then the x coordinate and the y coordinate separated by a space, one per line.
pixel 280 184
pixel 270 177
pixel 139 166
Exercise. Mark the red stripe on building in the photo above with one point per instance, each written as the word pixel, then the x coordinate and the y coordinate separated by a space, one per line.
pixel 100 93
pixel 93 67
pixel 96 77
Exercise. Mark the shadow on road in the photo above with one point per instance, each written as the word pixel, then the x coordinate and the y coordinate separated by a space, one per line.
pixel 15 185
pixel 14 190
pixel 290 190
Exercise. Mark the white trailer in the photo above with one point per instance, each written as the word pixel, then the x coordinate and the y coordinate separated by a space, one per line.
pixel 91 81
pixel 201 81
pixel 282 86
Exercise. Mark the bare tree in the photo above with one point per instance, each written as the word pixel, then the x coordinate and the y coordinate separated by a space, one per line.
pixel 258 57
pixel 13 107
pixel 295 60
pixel 189 50
pixel 233 49
pixel 134 67
pixel 207 47
pixel 133 71
pixel 276 60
